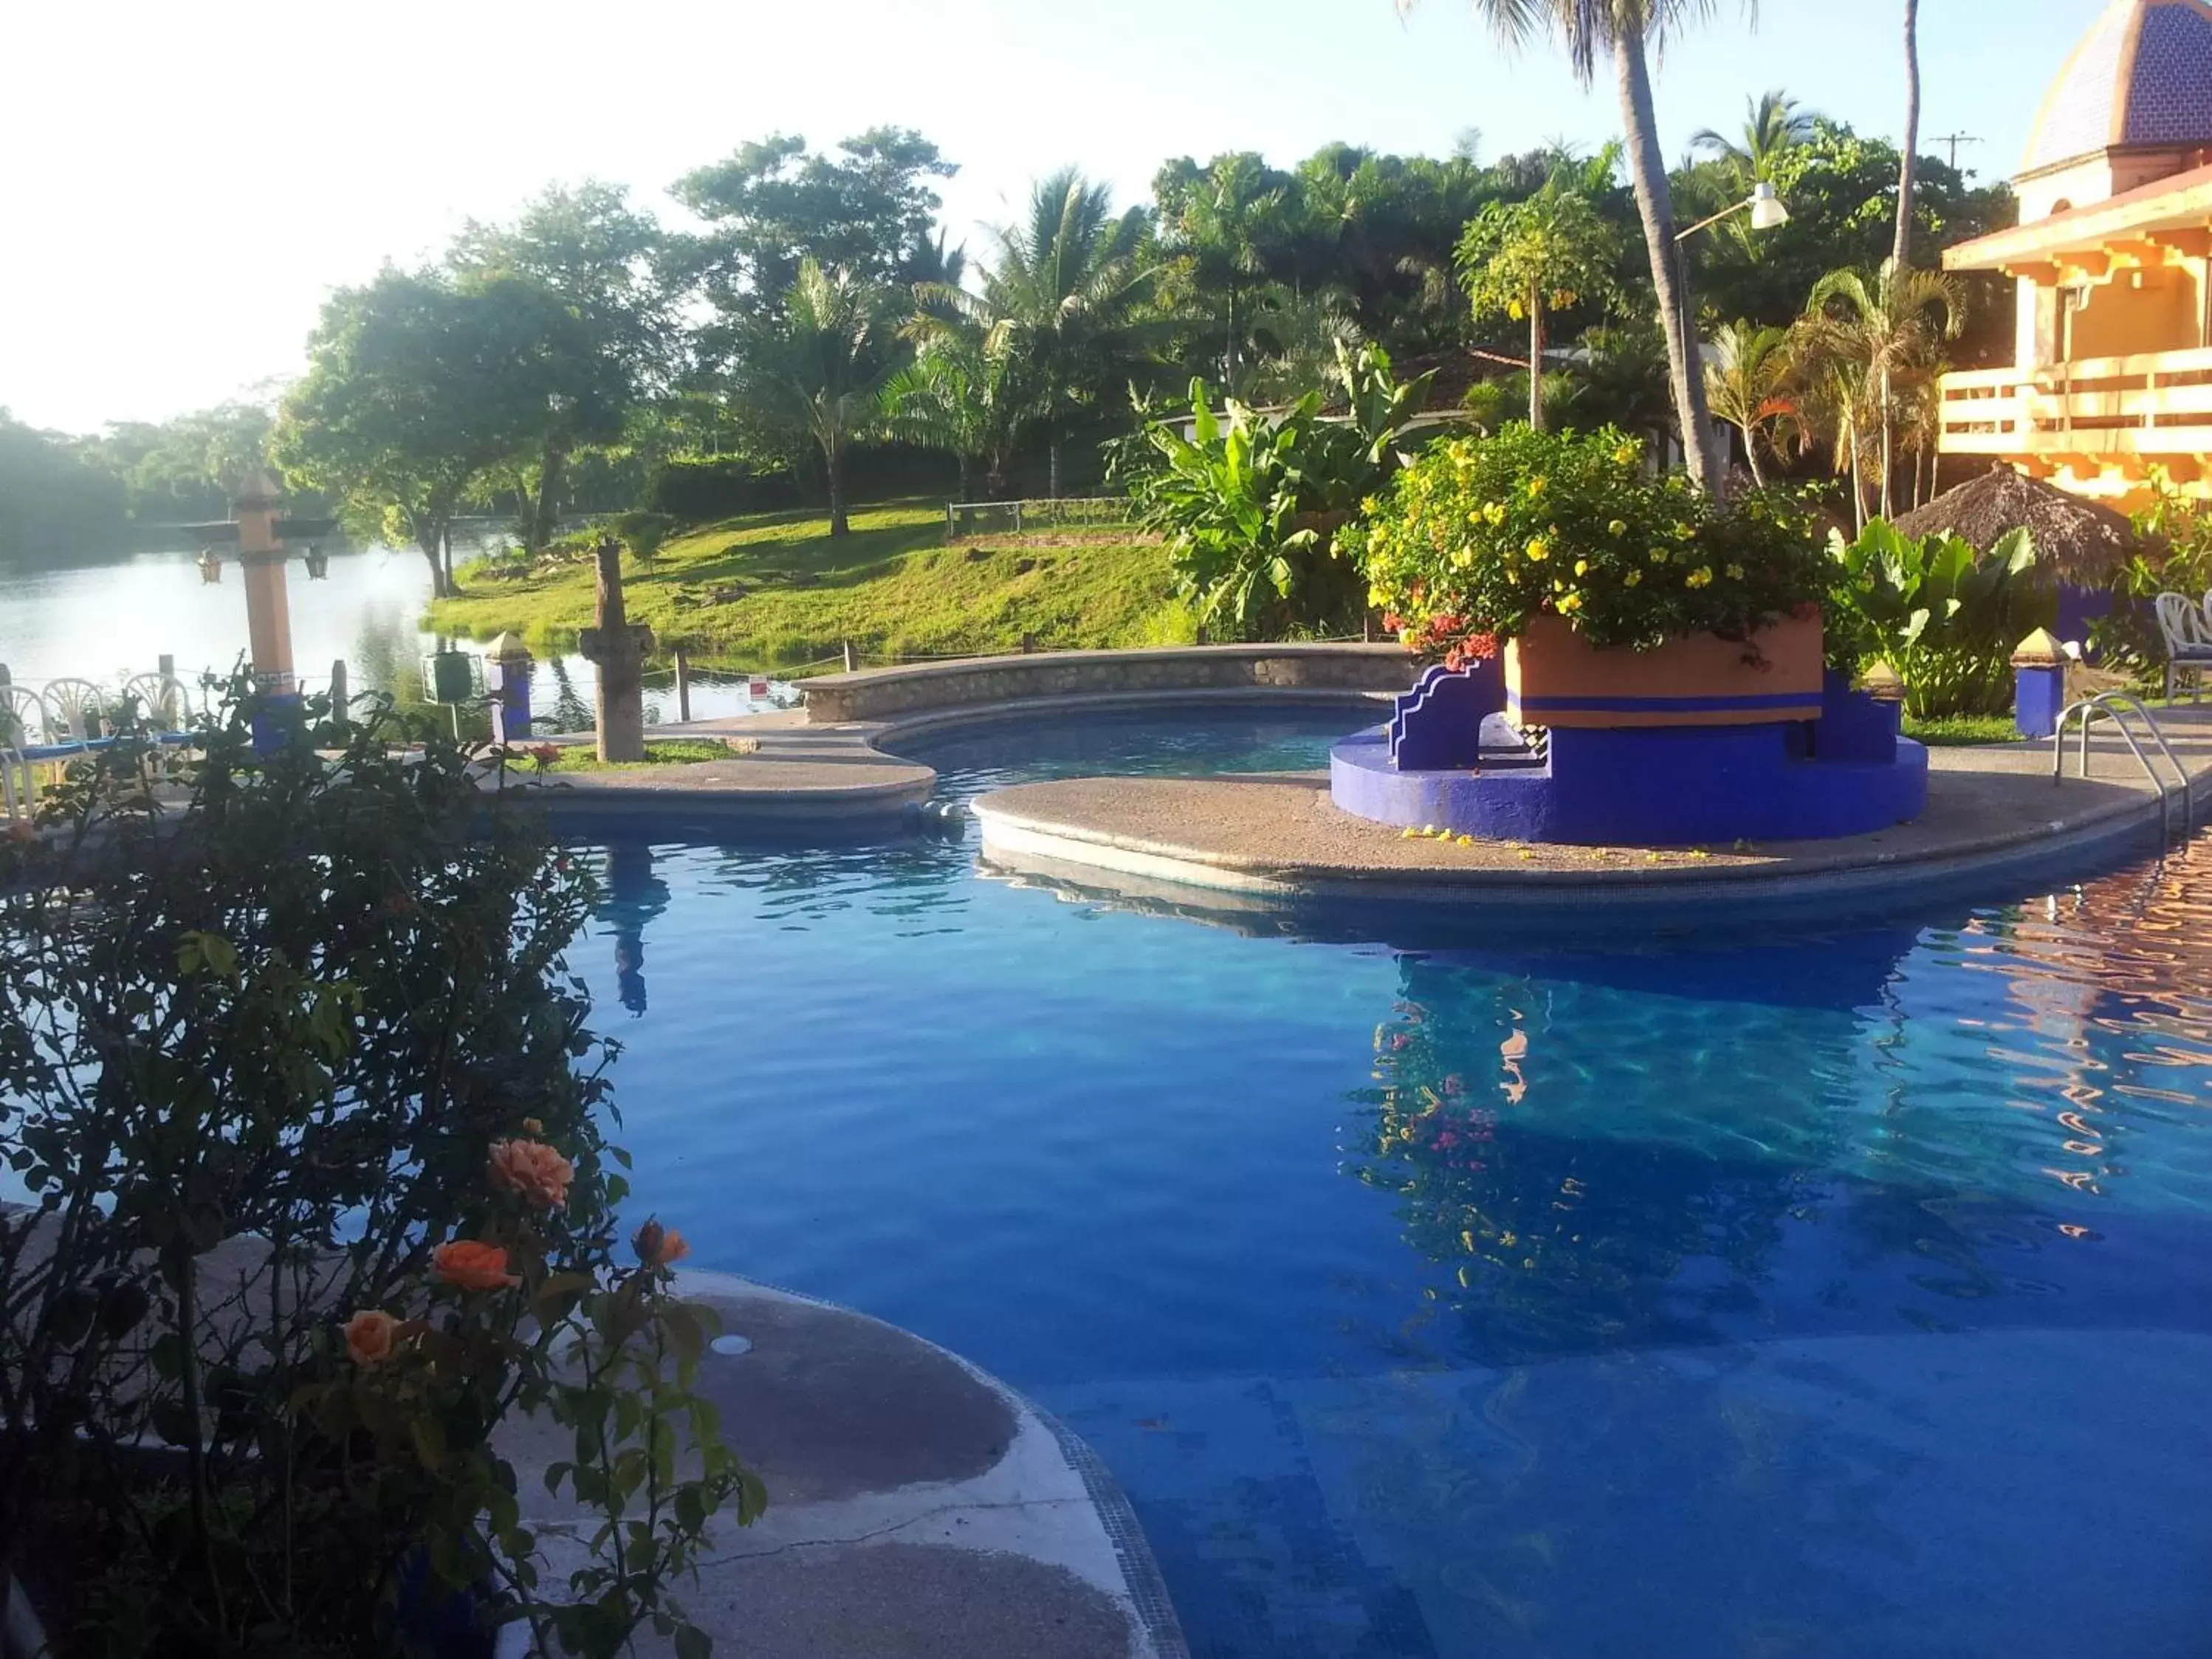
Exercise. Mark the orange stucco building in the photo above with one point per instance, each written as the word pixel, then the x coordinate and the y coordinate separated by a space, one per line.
pixel 2113 369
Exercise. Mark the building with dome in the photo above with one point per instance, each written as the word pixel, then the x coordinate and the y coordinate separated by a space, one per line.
pixel 2112 372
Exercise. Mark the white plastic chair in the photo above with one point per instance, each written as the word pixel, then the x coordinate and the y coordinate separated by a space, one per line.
pixel 161 699
pixel 23 717
pixel 2188 634
pixel 73 710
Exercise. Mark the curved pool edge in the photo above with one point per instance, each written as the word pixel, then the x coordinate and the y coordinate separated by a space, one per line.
pixel 1059 832
pixel 908 1488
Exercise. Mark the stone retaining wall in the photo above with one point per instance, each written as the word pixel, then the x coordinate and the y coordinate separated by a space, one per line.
pixel 879 693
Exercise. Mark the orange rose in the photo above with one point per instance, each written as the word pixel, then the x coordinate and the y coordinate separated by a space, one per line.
pixel 531 1126
pixel 472 1266
pixel 369 1335
pixel 658 1246
pixel 532 1170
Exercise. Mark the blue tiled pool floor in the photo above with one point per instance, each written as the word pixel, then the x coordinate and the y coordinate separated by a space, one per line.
pixel 1824 1499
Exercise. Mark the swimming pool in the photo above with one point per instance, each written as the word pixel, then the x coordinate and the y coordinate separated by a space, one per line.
pixel 1836 1292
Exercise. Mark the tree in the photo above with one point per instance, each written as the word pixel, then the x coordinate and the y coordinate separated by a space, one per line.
pixel 1521 258
pixel 1901 255
pixel 415 389
pixel 1746 382
pixel 1591 29
pixel 868 211
pixel 1064 295
pixel 595 256
pixel 1876 340
pixel 1227 220
pixel 815 367
pixel 1772 124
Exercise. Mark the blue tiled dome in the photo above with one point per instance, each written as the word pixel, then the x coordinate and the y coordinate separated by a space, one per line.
pixel 2142 76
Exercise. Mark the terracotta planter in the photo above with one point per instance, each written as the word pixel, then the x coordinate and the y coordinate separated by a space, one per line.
pixel 1553 677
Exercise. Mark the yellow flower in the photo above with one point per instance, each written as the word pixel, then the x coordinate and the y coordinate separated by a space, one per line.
pixel 1536 485
pixel 1626 455
pixel 1617 527
pixel 1581 567
pixel 1631 578
pixel 1658 555
pixel 1569 605
pixel 1538 550
pixel 1370 505
pixel 1462 559
pixel 1701 577
pixel 1495 512
pixel 1735 572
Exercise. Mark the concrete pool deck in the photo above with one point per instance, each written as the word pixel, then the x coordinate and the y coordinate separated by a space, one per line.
pixel 1278 838
pixel 917 1507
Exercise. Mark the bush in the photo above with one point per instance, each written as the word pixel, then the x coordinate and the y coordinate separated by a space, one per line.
pixel 1945 616
pixel 1250 504
pixel 698 490
pixel 1481 535
pixel 308 1113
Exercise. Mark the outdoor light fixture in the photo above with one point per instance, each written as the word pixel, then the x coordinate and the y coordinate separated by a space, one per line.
pixel 1767 212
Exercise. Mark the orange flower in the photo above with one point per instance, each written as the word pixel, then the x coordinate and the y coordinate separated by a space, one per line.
pixel 531 1126
pixel 658 1246
pixel 532 1170
pixel 472 1266
pixel 369 1335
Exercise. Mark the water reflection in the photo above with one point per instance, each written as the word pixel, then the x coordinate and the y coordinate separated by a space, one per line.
pixel 635 897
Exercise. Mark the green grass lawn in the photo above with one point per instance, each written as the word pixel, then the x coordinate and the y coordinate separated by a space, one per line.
pixel 1947 730
pixel 776 590
pixel 663 751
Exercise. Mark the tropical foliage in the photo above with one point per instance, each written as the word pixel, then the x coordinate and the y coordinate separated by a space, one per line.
pixel 1250 501
pixel 1480 536
pixel 1945 616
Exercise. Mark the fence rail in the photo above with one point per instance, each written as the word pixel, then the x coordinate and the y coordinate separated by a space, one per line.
pixel 966 519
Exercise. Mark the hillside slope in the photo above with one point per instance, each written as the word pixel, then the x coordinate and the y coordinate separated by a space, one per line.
pixel 777 590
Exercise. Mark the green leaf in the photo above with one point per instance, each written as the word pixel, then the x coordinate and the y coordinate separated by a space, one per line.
pixel 692 1643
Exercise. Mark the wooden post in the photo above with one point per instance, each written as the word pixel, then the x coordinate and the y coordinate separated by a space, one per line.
pixel 848 656
pixel 340 691
pixel 682 686
pixel 948 524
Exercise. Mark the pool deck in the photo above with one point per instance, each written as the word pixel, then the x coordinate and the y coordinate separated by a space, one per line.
pixel 1278 836
pixel 917 1506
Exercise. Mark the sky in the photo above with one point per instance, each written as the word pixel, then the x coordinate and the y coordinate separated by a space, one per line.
pixel 181 185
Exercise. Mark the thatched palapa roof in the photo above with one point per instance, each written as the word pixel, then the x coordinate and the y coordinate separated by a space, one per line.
pixel 2082 542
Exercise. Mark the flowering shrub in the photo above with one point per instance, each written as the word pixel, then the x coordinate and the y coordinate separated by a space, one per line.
pixel 309 1120
pixel 1480 536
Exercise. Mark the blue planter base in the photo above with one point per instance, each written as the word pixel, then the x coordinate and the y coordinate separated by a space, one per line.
pixel 1656 786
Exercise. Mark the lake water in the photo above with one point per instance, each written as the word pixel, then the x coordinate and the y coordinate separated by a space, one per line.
pixel 109 621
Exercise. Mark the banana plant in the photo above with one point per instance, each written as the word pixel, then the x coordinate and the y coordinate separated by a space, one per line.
pixel 1945 616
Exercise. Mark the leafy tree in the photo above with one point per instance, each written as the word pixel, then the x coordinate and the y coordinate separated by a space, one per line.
pixel 53 493
pixel 1522 259
pixel 1622 30
pixel 416 389
pixel 1746 381
pixel 1842 193
pixel 868 209
pixel 1227 221
pixel 185 467
pixel 815 367
pixel 595 256
pixel 1773 123
pixel 1065 295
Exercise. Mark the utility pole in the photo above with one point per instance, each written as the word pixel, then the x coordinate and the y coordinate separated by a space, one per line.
pixel 1954 139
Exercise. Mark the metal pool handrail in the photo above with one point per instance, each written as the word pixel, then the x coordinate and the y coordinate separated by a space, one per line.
pixel 2115 706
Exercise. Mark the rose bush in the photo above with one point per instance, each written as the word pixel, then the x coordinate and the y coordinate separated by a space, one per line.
pixel 1480 535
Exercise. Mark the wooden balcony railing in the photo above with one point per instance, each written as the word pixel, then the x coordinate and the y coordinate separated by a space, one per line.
pixel 2124 411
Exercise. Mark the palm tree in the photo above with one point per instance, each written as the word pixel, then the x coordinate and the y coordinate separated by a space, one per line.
pixel 817 365
pixel 1298 339
pixel 1885 338
pixel 1623 29
pixel 1226 221
pixel 1902 254
pixel 1775 124
pixel 1746 381
pixel 1063 297
pixel 960 395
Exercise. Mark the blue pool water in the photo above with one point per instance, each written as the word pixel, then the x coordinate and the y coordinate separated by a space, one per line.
pixel 1833 1293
